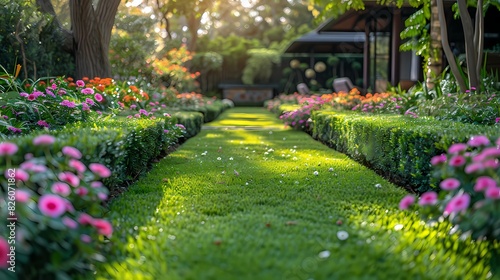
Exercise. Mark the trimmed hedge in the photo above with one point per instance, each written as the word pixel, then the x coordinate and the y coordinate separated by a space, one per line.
pixel 126 147
pixel 193 121
pixel 398 147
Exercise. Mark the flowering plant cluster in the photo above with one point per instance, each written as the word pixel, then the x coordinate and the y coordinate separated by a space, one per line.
pixel 171 70
pixel 469 195
pixel 172 130
pixel 52 202
pixel 300 118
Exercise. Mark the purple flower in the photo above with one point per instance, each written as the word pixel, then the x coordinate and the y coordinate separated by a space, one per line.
pixel 87 91
pixel 89 101
pixel 67 103
pixel 43 123
pixel 181 126
pixel 49 92
pixel 61 92
pixel 133 106
pixel 144 112
pixel 23 94
pixel 14 129
pixel 80 83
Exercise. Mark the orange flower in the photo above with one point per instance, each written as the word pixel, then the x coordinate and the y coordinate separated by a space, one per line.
pixel 85 79
pixel 145 95
pixel 70 79
pixel 18 69
pixel 100 88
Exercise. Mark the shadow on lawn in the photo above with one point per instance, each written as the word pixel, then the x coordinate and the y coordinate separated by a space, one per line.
pixel 266 215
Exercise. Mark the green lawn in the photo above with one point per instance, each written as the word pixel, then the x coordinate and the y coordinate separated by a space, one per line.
pixel 271 204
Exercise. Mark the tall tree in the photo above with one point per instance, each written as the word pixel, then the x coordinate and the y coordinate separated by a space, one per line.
pixel 90 34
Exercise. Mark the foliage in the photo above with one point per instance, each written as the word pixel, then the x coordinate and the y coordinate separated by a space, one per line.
pixel 32 39
pixel 55 201
pixel 240 197
pixel 259 66
pixel 469 193
pixel 131 44
pixel 399 147
pixel 172 72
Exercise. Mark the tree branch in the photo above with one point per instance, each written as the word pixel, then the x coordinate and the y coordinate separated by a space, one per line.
pixel 447 50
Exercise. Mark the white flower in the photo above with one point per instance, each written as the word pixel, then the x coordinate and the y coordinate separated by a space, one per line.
pixel 324 254
pixel 316 173
pixel 219 158
pixel 330 169
pixel 342 235
pixel 231 158
pixel 378 186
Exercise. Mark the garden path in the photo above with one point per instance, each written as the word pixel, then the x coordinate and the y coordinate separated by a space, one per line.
pixel 237 202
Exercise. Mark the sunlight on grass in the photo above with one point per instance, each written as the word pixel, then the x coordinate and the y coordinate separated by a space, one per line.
pixel 270 205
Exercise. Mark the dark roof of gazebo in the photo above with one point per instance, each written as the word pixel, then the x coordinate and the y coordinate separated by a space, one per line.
pixel 328 42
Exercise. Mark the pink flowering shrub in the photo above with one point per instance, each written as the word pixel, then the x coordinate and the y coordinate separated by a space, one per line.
pixel 53 205
pixel 468 176
pixel 300 118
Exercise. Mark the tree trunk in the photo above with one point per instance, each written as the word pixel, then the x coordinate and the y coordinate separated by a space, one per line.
pixel 434 63
pixel 470 48
pixel 446 48
pixel 91 36
pixel 479 37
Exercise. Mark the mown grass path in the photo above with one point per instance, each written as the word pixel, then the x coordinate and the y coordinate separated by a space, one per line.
pixel 235 203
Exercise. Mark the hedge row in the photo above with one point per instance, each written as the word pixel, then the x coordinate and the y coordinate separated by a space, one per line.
pixel 126 146
pixel 398 147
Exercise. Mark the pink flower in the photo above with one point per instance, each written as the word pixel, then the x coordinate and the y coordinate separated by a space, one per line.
pixel 96 184
pixel 474 167
pixel 406 202
pixel 478 140
pixel 484 182
pixel 428 198
pixel 7 148
pixel 457 148
pixel 491 163
pixel 67 103
pixel 44 140
pixel 85 238
pixel 89 101
pixel 102 196
pixel 69 207
pixel 98 97
pixel 71 152
pixel 80 83
pixel 18 174
pixel 61 188
pixel 82 191
pixel 43 123
pixel 490 152
pixel 458 203
pixel 457 161
pixel 449 184
pixel 69 223
pixel 4 250
pixel 498 142
pixel 103 227
pixel 438 159
pixel 85 219
pixel 51 205
pixel 22 196
pixel 492 192
pixel 77 165
pixel 87 91
pixel 69 178
pixel 99 169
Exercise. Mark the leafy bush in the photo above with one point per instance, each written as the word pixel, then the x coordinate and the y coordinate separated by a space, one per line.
pixel 259 66
pixel 53 205
pixel 399 147
pixel 469 194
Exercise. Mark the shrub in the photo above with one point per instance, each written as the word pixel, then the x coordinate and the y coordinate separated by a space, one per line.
pixel 469 194
pixel 53 205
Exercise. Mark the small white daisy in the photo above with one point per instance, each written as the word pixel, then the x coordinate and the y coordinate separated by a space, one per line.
pixel 378 186
pixel 324 254
pixel 342 235
pixel 316 173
